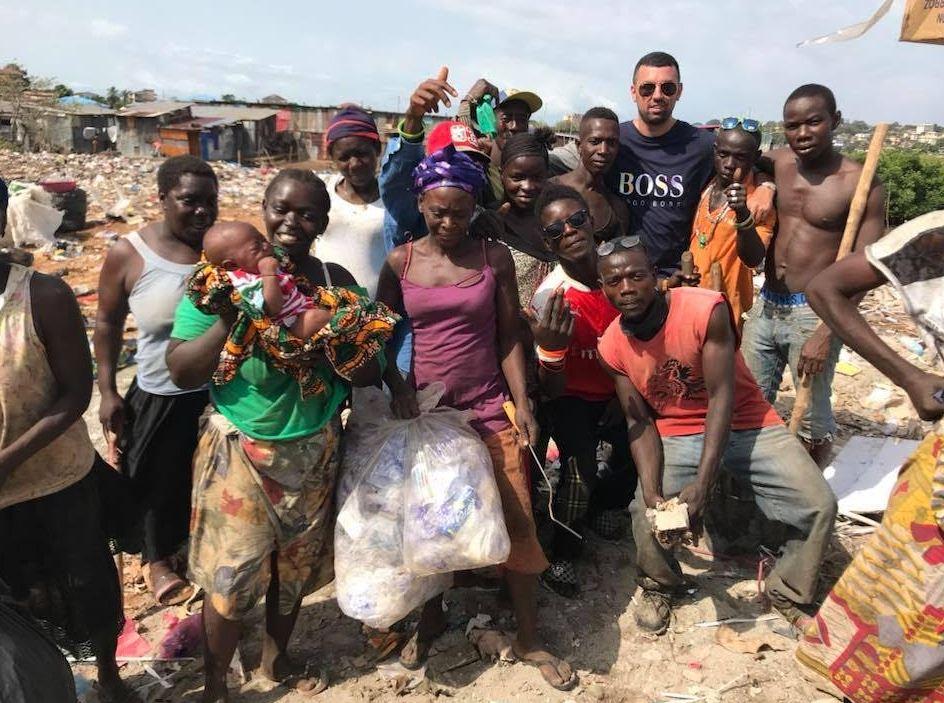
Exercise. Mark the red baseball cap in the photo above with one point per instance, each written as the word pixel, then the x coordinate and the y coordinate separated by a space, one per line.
pixel 459 135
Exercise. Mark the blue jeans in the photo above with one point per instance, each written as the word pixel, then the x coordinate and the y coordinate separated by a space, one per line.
pixel 774 334
pixel 788 486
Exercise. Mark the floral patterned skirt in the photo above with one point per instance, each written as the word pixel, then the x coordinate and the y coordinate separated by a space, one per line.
pixel 260 506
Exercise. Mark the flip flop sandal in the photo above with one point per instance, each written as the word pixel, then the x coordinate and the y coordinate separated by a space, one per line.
pixel 190 605
pixel 421 647
pixel 561 578
pixel 552 662
pixel 170 589
pixel 311 682
pixel 382 642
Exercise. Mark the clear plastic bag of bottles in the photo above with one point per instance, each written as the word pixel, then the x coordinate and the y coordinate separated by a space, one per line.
pixel 372 582
pixel 454 519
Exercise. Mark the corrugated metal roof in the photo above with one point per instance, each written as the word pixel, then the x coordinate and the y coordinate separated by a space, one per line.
pixel 198 123
pixel 91 110
pixel 155 109
pixel 236 113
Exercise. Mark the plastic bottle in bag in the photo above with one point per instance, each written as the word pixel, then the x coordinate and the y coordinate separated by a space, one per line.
pixel 372 582
pixel 454 519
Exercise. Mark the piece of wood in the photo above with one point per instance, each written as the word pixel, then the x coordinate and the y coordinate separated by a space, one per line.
pixel 717 279
pixel 802 402
pixel 856 212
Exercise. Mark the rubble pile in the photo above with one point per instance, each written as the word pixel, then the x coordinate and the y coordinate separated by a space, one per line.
pixel 126 187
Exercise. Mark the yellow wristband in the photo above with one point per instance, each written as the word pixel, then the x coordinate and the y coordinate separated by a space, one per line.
pixel 406 135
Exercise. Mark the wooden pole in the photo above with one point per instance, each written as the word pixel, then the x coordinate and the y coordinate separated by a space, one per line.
pixel 856 213
pixel 717 278
pixel 688 263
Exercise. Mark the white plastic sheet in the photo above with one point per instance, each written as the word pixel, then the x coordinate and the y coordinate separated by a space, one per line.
pixel 31 218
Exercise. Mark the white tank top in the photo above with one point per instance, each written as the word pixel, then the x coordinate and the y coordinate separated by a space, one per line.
pixel 354 238
pixel 153 302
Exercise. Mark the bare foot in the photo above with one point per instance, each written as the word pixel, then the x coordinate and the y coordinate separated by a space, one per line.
pixel 431 625
pixel 304 678
pixel 555 671
pixel 215 693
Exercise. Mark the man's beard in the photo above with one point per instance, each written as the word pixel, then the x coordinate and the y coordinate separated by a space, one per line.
pixel 651 119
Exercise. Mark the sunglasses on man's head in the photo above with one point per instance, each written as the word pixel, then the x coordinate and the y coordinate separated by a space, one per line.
pixel 555 230
pixel 609 247
pixel 647 90
pixel 747 125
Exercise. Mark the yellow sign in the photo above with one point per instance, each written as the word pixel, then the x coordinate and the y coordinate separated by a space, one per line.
pixel 923 22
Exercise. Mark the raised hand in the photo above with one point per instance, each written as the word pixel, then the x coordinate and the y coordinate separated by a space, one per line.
pixel 430 93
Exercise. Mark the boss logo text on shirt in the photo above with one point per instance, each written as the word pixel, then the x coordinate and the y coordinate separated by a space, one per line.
pixel 645 185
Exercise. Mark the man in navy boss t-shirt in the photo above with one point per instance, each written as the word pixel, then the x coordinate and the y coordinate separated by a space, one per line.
pixel 663 164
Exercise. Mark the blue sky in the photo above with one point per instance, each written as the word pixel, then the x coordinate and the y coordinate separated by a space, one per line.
pixel 737 57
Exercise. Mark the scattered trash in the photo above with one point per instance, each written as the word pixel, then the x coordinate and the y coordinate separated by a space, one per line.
pixel 404 680
pixel 864 472
pixel 752 641
pixel 130 643
pixel 847 368
pixel 64 249
pixel 491 644
pixel 31 218
pixel 731 621
pixel 479 622
pixel 184 638
pixel 915 346
pixel 118 210
pixel 880 398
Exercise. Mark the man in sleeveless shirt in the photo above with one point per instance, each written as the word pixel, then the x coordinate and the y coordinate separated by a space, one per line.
pixel 692 406
pixel 155 425
pixel 53 537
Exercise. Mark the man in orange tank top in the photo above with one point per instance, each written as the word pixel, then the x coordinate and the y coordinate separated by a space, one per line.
pixel 692 406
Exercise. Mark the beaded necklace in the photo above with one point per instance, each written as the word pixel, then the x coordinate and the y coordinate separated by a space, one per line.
pixel 704 237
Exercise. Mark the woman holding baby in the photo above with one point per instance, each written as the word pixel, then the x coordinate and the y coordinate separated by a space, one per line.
pixel 267 458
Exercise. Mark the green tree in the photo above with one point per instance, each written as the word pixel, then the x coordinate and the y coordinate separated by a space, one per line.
pixel 116 99
pixel 228 98
pixel 62 91
pixel 914 181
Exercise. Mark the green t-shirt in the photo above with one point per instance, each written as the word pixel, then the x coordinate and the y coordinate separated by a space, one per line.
pixel 261 401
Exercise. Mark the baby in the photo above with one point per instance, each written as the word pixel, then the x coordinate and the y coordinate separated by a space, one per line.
pixel 249 261
pixel 284 316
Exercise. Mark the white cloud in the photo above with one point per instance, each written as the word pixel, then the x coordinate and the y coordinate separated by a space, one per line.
pixel 106 29
pixel 240 79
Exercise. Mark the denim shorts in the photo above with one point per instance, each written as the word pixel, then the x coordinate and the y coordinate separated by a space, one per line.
pixel 777 327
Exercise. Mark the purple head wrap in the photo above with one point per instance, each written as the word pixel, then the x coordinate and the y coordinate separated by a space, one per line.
pixel 351 121
pixel 448 168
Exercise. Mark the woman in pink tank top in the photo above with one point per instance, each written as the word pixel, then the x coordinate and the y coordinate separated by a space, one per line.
pixel 462 299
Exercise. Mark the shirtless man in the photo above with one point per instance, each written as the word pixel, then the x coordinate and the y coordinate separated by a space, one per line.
pixel 815 185
pixel 598 145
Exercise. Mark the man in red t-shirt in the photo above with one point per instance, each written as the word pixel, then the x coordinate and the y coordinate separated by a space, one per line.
pixel 692 406
pixel 582 404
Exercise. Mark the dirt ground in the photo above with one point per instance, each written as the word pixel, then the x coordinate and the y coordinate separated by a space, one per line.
pixel 595 632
